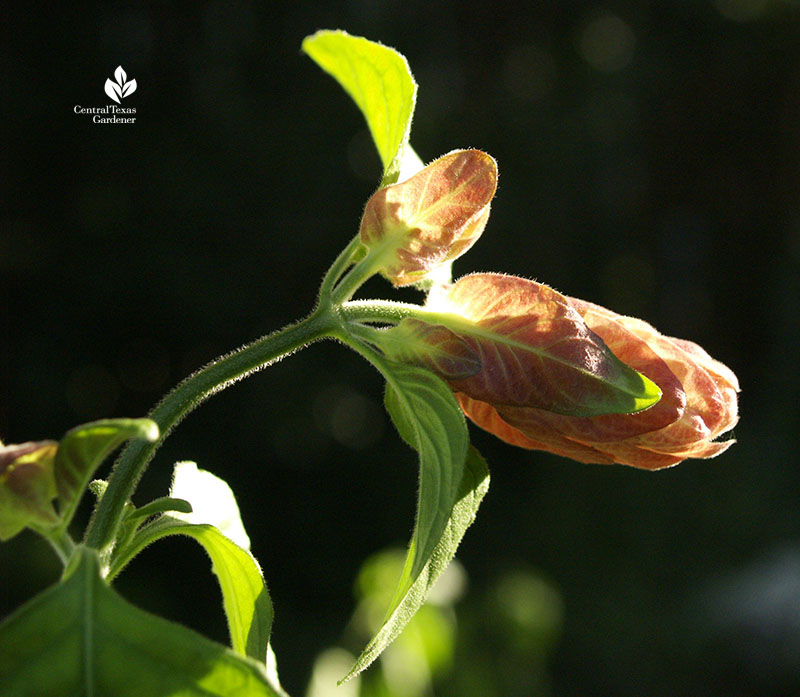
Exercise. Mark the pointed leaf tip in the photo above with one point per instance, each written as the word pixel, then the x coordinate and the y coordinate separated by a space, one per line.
pixel 649 394
pixel 379 81
pixel 472 487
pixel 453 479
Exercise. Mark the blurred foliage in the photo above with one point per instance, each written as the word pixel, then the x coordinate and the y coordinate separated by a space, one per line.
pixel 496 645
pixel 649 157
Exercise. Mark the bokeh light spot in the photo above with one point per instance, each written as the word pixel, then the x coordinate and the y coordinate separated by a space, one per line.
pixel 348 417
pixel 607 42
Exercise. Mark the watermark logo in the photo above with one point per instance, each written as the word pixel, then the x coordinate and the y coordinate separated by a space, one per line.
pixel 121 88
pixel 117 89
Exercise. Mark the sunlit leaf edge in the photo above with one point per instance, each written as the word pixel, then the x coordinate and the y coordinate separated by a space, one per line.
pixel 327 48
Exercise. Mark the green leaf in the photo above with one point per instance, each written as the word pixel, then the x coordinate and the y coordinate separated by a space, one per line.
pixel 79 638
pixel 166 504
pixel 433 422
pixel 427 416
pixel 473 486
pixel 247 604
pixel 246 601
pixel 379 81
pixel 83 449
pixel 211 500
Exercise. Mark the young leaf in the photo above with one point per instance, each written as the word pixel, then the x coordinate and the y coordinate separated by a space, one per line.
pixel 80 638
pixel 214 522
pixel 165 504
pixel 83 449
pixel 211 499
pixel 472 488
pixel 379 81
pixel 427 417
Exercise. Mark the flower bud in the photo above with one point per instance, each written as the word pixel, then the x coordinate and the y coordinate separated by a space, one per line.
pixel 535 350
pixel 431 218
pixel 698 404
pixel 27 486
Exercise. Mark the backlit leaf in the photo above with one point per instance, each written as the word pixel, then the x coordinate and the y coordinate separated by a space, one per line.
pixel 428 418
pixel 379 81
pixel 215 523
pixel 473 487
pixel 212 501
pixel 246 601
pixel 27 487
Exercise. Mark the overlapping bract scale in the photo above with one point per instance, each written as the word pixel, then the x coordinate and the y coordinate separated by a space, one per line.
pixel 698 405
pixel 536 350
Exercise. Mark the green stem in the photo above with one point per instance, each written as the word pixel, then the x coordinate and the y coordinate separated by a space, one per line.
pixel 62 543
pixel 355 278
pixel 338 267
pixel 187 396
pixel 386 312
pixel 367 334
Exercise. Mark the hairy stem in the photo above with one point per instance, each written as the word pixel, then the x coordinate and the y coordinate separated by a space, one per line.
pixel 338 267
pixel 356 276
pixel 384 311
pixel 187 396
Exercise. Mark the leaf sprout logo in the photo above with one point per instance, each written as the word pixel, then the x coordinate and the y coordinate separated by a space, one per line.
pixel 120 89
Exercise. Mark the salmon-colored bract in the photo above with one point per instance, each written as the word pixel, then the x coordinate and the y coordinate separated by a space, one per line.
pixel 431 218
pixel 698 403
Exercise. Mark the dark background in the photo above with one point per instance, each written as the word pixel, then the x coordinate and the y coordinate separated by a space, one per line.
pixel 649 157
